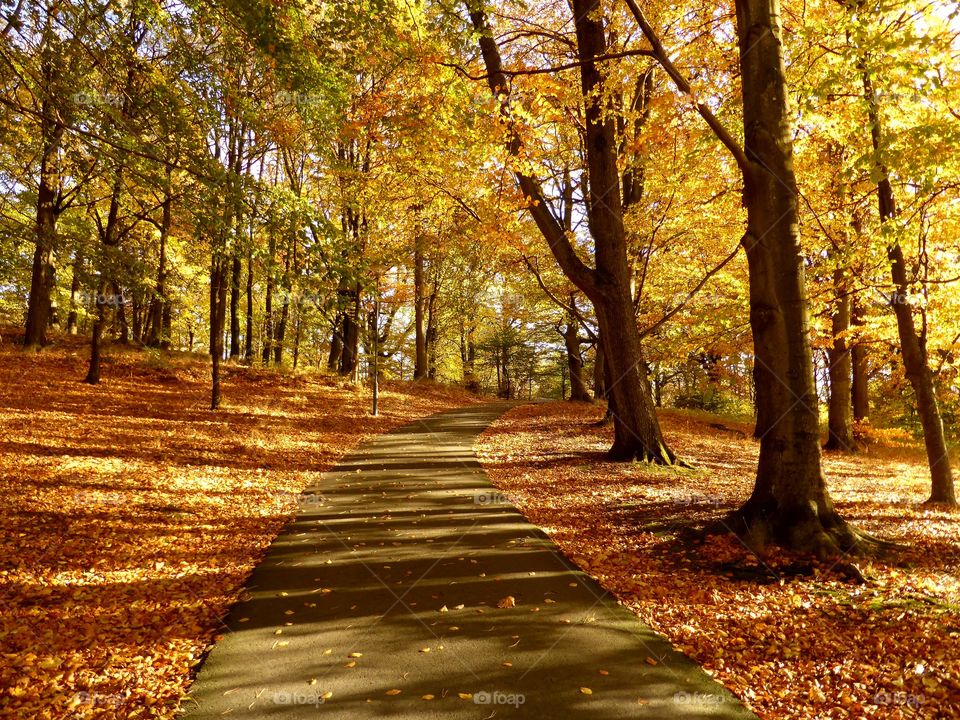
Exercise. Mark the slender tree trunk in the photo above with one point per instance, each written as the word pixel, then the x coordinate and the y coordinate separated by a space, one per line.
pixel 268 302
pixel 840 421
pixel 218 297
pixel 571 342
pixel 236 268
pixel 158 335
pixel 296 342
pixel 74 290
pixel 336 343
pixel 861 371
pixel 248 337
pixel 599 372
pixel 912 345
pixel 419 307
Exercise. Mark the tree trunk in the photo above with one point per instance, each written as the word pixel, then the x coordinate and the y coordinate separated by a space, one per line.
pixel 637 432
pixel 236 268
pixel 913 346
pixel 158 337
pixel 351 334
pixel 268 302
pixel 636 429
pixel 42 277
pixel 571 342
pixel 74 290
pixel 840 422
pixel 248 337
pixel 790 503
pixel 218 298
pixel 861 372
pixel 336 343
pixel 419 307
pixel 599 372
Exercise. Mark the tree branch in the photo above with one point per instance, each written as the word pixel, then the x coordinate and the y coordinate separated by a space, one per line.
pixel 660 54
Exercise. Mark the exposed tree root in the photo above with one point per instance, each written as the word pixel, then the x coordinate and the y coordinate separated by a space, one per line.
pixel 824 535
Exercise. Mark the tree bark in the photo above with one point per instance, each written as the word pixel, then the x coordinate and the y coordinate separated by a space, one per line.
pixel 637 433
pixel 248 337
pixel 158 336
pixel 571 343
pixel 840 421
pixel 72 316
pixel 236 268
pixel 419 306
pixel 349 354
pixel 913 346
pixel 861 371
pixel 42 276
pixel 790 503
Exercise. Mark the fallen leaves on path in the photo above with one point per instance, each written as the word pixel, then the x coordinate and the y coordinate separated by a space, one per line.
pixel 133 514
pixel 791 637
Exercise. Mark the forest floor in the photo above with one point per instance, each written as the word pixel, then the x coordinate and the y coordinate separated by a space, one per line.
pixel 133 514
pixel 793 638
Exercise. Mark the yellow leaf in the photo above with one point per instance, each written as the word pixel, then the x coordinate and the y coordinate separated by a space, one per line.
pixel 586 691
pixel 395 691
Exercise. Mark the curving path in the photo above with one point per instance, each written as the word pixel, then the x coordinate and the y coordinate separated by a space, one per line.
pixel 385 590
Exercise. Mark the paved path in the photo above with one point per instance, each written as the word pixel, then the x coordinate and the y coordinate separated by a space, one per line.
pixel 385 589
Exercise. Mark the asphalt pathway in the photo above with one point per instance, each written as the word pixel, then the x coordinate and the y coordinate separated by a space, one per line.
pixel 408 587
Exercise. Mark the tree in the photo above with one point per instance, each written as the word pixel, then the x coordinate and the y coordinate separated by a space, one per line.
pixel 637 433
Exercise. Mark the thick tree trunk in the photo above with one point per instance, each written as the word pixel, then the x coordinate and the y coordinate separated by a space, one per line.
pixel 608 285
pixel 637 432
pixel 45 230
pixel 790 503
pixel 912 345
pixel 840 421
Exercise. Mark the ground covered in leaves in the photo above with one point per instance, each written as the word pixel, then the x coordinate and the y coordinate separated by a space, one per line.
pixel 791 637
pixel 133 514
